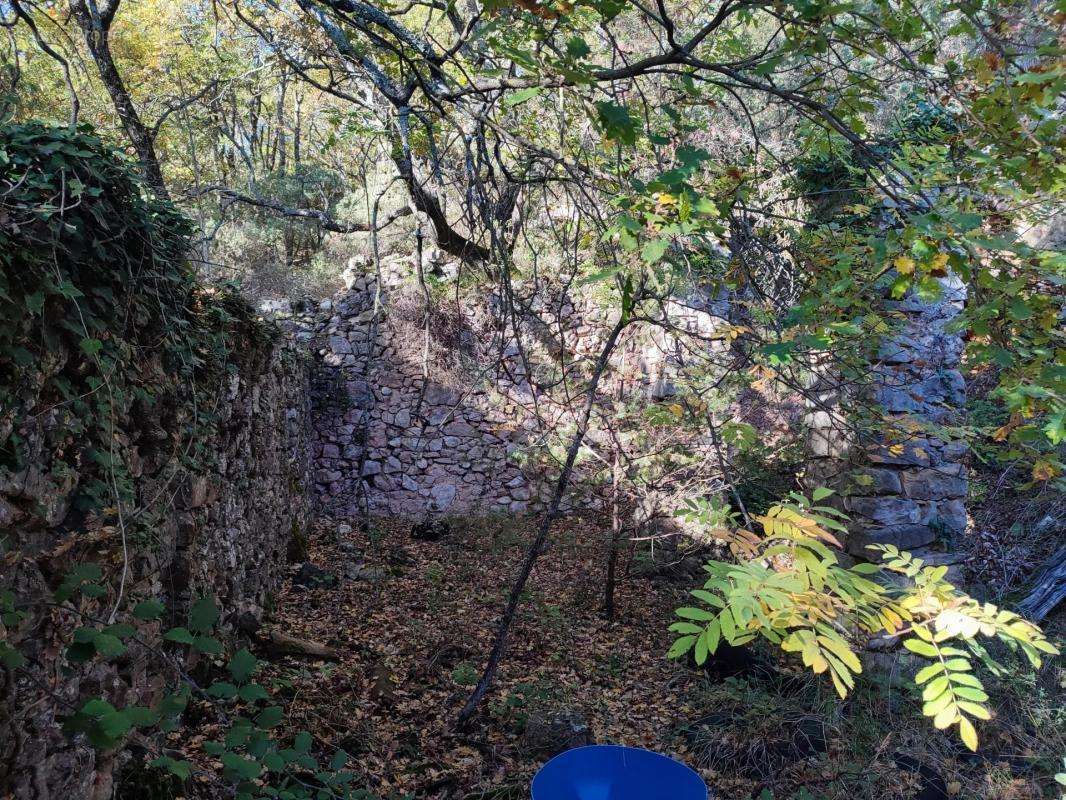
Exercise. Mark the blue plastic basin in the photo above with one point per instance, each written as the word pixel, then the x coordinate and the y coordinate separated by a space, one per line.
pixel 611 772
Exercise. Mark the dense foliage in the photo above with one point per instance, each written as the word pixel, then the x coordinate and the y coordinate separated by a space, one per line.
pixel 104 327
pixel 790 588
pixel 818 164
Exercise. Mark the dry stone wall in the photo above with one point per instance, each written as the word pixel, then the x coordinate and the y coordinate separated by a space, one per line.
pixel 224 529
pixel 907 489
pixel 389 439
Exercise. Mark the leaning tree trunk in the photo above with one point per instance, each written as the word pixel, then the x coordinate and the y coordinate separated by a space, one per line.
pixel 540 542
pixel 94 19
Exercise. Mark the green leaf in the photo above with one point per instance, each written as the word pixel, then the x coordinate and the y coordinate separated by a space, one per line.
pixel 712 635
pixel 180 769
pixel 241 767
pixel 34 303
pixel 108 646
pixel 654 250
pixel 599 276
pixel 203 615
pixel 1055 429
pixel 970 693
pixel 728 625
pixel 207 644
pixel 521 96
pixel 148 609
pixel 114 725
pixel 141 717
pixel 920 647
pixel 695 613
pixel 778 353
pixel 242 665
pixel 701 651
pixel 577 47
pixel 222 689
pixel 96 707
pixel 91 346
pixel 616 123
pixel 270 717
pixel 340 758
pixel 302 742
pixel 180 635
pixel 686 627
pixel 709 598
pixel 252 692
pixel 926 673
pixel 10 657
pixel 681 646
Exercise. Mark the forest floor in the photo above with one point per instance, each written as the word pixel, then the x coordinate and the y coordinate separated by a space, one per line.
pixel 412 622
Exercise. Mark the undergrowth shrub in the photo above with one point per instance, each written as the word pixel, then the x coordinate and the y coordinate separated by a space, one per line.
pixel 790 588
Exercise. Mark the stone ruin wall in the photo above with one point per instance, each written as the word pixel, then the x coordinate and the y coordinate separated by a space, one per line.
pixel 451 446
pixel 224 530
pixel 387 440
pixel 910 490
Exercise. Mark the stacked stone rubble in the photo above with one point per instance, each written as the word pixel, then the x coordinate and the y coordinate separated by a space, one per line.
pixel 908 488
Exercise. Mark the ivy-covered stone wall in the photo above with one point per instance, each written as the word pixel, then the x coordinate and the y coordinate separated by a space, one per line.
pixel 153 446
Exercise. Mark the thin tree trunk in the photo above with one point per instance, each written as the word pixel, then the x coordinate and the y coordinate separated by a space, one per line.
pixel 95 22
pixel 616 535
pixel 540 542
pixel 611 580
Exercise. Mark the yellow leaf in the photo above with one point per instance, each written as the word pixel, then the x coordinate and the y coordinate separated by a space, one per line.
pixel 945 717
pixel 904 265
pixel 1044 470
pixel 1001 434
pixel 954 623
pixel 968 733
pixel 842 690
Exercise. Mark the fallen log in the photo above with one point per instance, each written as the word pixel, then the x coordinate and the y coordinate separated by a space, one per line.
pixel 286 644
pixel 1049 588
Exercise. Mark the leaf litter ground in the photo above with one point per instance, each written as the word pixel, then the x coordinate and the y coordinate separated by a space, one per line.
pixel 412 622
pixel 413 627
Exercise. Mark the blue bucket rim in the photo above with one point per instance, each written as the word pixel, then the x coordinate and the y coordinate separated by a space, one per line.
pixel 671 759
